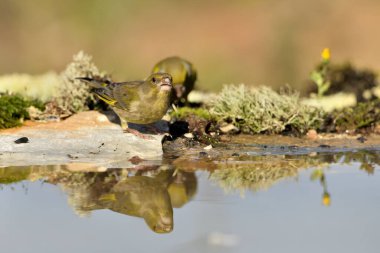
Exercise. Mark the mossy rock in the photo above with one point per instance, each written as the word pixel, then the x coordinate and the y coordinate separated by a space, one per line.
pixel 347 78
pixel 13 109
pixel 361 116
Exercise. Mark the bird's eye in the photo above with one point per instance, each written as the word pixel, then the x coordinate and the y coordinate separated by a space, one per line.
pixel 153 79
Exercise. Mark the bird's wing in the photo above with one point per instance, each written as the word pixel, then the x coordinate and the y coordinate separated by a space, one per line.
pixel 124 93
pixel 114 94
pixel 102 88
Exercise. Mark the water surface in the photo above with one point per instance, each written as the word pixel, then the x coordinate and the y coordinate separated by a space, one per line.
pixel 290 203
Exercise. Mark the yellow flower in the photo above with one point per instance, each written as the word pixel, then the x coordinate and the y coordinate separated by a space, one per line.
pixel 325 54
pixel 326 201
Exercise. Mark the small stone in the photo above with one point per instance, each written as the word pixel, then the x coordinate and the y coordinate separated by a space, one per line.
pixel 135 160
pixel 312 134
pixel 202 154
pixel 189 135
pixel 102 118
pixel 230 128
pixel 361 139
pixel 72 156
pixel 208 147
pixel 22 140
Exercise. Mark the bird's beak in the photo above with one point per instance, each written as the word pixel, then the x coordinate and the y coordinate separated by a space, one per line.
pixel 164 225
pixel 166 84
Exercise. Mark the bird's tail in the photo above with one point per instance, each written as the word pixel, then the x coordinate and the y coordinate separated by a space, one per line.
pixel 95 82
pixel 101 87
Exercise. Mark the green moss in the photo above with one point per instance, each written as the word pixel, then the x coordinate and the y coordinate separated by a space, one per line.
pixel 13 109
pixel 185 112
pixel 263 110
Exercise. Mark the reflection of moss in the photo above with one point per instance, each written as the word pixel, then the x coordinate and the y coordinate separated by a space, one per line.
pixel 261 173
pixel 367 159
pixel 263 110
pixel 13 109
pixel 13 175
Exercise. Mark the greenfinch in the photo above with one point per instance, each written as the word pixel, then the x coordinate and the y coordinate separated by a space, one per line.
pixel 139 102
pixel 183 73
pixel 140 196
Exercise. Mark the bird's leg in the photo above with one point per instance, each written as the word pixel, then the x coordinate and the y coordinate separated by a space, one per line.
pixel 126 129
pixel 138 134
pixel 123 124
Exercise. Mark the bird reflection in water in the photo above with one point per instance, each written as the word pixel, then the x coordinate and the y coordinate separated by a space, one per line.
pixel 151 197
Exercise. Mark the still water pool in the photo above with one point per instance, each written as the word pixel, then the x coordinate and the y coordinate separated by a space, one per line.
pixel 299 203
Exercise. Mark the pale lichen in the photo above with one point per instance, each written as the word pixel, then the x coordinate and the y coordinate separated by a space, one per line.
pixel 262 110
pixel 74 96
pixel 62 94
pixel 42 87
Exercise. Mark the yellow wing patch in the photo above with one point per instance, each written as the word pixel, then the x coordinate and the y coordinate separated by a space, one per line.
pixel 108 197
pixel 106 99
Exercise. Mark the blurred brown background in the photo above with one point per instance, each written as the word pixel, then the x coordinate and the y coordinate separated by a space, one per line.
pixel 254 42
